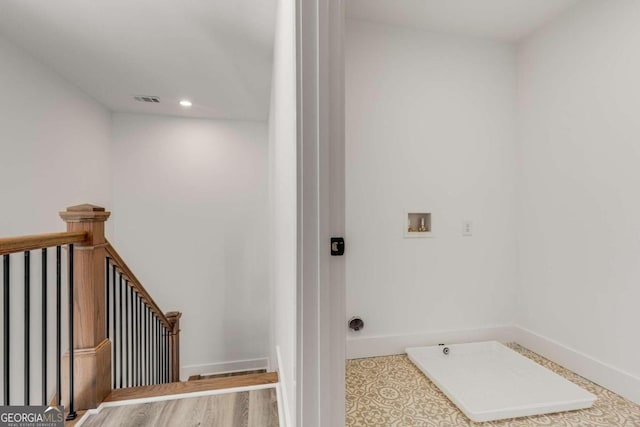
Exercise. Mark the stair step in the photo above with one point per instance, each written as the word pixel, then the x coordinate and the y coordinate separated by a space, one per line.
pixel 226 374
pixel 192 386
pixel 76 420
pixel 80 414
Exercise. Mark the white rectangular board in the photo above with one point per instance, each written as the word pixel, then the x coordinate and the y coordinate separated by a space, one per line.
pixel 488 381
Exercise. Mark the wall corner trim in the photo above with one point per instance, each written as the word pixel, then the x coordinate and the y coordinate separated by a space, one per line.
pixel 284 414
pixel 623 383
pixel 384 345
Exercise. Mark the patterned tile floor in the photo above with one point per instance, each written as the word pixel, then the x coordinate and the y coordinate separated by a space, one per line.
pixel 391 391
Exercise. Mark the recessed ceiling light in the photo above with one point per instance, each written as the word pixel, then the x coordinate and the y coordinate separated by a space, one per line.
pixel 186 103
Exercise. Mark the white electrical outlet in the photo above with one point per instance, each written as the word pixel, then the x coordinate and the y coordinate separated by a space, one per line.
pixel 467 228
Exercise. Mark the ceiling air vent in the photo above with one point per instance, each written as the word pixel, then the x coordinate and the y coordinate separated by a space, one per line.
pixel 147 98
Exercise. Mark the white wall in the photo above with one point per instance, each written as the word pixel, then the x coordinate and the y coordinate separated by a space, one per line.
pixel 199 185
pixel 54 146
pixel 54 153
pixel 429 126
pixel 283 206
pixel 579 98
pixel 191 217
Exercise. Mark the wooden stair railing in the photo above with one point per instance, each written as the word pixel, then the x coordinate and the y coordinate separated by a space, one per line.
pixel 169 324
pixel 52 285
pixel 12 245
pixel 84 374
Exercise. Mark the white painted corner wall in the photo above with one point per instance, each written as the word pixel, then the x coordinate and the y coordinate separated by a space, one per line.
pixel 54 146
pixel 537 146
pixel 54 153
pixel 282 213
pixel 429 126
pixel 579 235
pixel 200 187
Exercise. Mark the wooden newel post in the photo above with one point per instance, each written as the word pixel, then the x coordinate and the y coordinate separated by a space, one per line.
pixel 92 355
pixel 174 342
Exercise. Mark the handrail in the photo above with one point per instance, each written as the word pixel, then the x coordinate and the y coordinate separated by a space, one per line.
pixel 135 283
pixel 11 245
pixel 92 293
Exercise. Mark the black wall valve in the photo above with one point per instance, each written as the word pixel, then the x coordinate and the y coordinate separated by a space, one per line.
pixel 337 246
pixel 356 323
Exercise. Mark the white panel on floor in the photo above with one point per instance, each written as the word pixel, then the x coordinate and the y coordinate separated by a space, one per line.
pixel 489 381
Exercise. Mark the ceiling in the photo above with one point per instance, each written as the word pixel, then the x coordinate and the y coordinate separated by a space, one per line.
pixel 216 53
pixel 506 20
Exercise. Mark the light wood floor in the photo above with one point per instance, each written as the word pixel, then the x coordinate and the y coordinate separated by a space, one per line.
pixel 257 408
pixel 192 386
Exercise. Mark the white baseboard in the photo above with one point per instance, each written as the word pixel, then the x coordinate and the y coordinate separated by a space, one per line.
pixel 284 414
pixel 616 380
pixel 223 367
pixel 396 344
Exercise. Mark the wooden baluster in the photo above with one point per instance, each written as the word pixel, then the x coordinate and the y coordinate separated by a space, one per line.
pixel 174 343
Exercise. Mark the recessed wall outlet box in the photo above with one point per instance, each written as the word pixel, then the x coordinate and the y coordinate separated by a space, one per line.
pixel 418 223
